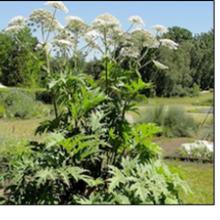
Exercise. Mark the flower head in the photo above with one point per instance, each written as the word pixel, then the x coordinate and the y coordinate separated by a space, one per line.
pixel 105 21
pixel 129 52
pixel 57 5
pixel 67 35
pixel 92 35
pixel 14 29
pixel 160 29
pixel 43 18
pixel 137 20
pixel 18 20
pixel 143 38
pixel 76 24
pixel 169 43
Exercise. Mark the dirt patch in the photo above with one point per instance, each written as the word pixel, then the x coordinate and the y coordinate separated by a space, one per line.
pixel 170 146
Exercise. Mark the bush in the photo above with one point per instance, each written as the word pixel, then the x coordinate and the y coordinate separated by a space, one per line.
pixel 178 124
pixel 175 122
pixel 195 90
pixel 20 104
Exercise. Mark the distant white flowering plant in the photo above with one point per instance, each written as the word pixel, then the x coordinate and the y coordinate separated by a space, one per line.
pixel 200 149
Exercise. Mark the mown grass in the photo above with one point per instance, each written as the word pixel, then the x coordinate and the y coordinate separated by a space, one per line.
pixel 199 177
pixel 15 129
pixel 204 99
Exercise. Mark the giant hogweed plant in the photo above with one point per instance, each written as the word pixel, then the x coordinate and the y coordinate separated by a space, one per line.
pixel 93 155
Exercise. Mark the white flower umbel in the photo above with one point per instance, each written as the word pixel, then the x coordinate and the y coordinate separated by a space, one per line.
pixel 160 29
pixel 160 65
pixel 129 52
pixel 92 35
pixel 76 24
pixel 136 20
pixel 44 19
pixel 14 29
pixel 57 5
pixel 143 38
pixel 169 43
pixel 18 20
pixel 105 21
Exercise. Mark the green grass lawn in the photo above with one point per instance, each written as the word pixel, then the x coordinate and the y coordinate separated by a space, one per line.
pixel 204 99
pixel 199 177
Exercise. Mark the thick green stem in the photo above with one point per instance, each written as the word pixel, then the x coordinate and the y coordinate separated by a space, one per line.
pixel 49 75
pixel 106 62
pixel 106 74
pixel 48 64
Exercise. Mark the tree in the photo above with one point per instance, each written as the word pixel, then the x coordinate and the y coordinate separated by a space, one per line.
pixel 20 64
pixel 178 34
pixel 202 60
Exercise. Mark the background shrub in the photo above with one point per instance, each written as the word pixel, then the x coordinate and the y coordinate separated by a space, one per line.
pixel 20 104
pixel 175 122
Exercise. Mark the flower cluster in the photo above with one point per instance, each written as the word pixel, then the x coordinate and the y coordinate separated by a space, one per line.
pixel 160 29
pixel 136 20
pixel 57 5
pixel 129 52
pixel 105 21
pixel 16 24
pixel 18 20
pixel 169 43
pixel 76 24
pixel 44 19
pixel 143 38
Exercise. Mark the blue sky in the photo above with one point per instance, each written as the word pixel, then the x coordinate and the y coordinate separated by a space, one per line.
pixel 195 16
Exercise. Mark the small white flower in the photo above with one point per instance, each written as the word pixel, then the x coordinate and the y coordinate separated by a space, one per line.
pixel 39 46
pixel 169 43
pixel 160 65
pixel 57 5
pixel 136 20
pixel 160 29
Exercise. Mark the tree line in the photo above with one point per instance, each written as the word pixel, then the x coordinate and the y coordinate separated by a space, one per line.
pixel 191 66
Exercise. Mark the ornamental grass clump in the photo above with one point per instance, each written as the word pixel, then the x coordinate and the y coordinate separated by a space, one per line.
pixel 93 155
